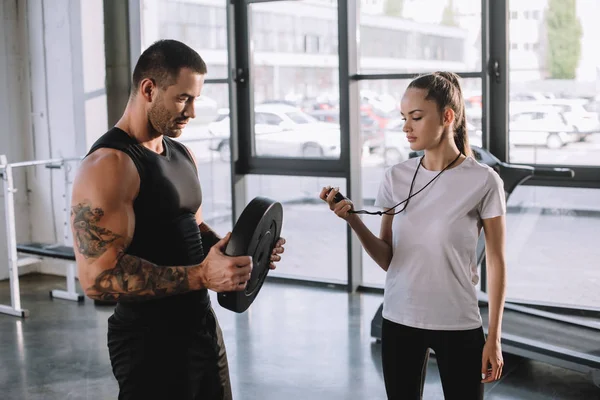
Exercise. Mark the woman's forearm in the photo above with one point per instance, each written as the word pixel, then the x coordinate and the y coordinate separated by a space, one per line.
pixel 376 248
pixel 496 294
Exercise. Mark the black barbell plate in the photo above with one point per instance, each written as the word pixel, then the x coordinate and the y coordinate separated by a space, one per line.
pixel 255 234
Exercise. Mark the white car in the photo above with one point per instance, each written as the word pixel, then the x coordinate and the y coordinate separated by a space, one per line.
pixel 574 111
pixel 382 102
pixel 540 126
pixel 282 131
pixel 584 121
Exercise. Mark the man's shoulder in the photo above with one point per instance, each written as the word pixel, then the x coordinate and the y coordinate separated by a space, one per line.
pixel 106 156
pixel 109 173
pixel 108 162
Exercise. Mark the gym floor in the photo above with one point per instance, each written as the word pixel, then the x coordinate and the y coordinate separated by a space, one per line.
pixel 296 342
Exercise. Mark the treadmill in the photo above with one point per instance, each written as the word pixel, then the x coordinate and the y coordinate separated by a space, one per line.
pixel 555 335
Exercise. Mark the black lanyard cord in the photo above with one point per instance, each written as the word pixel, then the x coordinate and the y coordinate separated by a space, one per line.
pixel 410 195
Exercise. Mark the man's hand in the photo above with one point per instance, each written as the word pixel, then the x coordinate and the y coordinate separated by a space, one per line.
pixel 278 249
pixel 221 273
pixel 492 356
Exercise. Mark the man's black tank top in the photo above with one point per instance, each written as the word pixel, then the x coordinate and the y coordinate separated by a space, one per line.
pixel 166 232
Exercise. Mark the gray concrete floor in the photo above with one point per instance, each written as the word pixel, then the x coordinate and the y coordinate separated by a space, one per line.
pixel 295 342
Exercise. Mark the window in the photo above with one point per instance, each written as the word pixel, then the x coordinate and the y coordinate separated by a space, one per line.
pixel 545 77
pixel 311 44
pixel 318 235
pixel 269 119
pixel 202 27
pixel 418 40
pixel 300 118
pixel 551 246
pixel 292 86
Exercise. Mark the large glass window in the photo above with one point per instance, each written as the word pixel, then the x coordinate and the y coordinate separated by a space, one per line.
pixel 316 237
pixel 417 36
pixel 201 24
pixel 552 250
pixel 295 79
pixel 554 82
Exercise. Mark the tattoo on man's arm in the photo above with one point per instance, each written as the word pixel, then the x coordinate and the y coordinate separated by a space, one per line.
pixel 135 279
pixel 209 237
pixel 91 240
pixel 132 278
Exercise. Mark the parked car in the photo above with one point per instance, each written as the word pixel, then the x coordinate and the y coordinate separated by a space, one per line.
pixel 395 146
pixel 372 135
pixel 585 122
pixel 282 131
pixel 543 126
pixel 574 111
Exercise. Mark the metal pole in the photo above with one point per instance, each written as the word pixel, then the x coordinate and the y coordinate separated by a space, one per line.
pixel 40 162
pixel 11 236
pixel 348 23
pixel 70 293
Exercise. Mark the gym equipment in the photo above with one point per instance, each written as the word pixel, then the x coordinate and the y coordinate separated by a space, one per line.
pixel 529 331
pixel 255 233
pixel 38 250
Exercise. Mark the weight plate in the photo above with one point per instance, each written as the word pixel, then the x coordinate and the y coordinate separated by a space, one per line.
pixel 255 234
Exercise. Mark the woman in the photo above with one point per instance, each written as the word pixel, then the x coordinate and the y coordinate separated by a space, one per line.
pixel 427 246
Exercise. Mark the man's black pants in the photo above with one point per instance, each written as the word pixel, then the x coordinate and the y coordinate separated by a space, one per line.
pixel 169 361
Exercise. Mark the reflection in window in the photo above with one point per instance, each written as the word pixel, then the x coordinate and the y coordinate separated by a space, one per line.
pixel 543 77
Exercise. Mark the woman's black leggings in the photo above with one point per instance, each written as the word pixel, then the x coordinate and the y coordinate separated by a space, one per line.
pixel 405 352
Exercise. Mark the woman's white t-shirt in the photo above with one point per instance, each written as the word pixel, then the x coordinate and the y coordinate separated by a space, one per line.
pixel 430 283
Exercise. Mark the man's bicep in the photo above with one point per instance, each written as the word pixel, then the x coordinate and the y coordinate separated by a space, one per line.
pixel 98 227
pixel 102 218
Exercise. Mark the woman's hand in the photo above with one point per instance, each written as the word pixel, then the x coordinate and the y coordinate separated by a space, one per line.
pixel 492 361
pixel 341 208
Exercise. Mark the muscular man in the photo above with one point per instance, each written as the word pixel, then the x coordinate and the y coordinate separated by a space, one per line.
pixel 140 239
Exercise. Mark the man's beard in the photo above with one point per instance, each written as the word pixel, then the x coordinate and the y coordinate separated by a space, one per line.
pixel 160 121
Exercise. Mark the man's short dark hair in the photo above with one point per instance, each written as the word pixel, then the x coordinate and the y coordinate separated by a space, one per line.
pixel 162 62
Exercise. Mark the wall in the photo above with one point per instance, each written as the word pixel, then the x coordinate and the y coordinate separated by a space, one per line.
pixel 56 69
pixel 15 135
